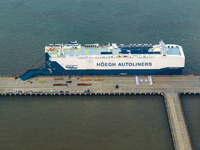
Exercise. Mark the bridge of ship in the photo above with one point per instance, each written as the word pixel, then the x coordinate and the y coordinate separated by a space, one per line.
pixel 104 50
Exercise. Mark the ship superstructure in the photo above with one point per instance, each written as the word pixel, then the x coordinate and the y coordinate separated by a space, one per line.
pixel 113 59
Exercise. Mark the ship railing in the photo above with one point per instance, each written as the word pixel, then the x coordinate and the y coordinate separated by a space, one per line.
pixel 145 56
pixel 96 45
pixel 135 45
pixel 58 44
pixel 82 57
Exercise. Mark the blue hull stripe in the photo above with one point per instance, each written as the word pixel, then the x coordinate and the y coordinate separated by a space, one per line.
pixel 117 72
pixel 57 69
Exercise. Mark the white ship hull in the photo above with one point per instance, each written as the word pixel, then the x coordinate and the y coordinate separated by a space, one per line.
pixel 130 64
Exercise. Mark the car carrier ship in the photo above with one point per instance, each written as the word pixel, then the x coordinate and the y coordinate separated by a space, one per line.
pixel 113 59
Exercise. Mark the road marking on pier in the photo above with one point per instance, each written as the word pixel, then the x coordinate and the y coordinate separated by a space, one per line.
pixel 177 122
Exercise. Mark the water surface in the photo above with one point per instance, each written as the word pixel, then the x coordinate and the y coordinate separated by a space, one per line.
pixel 191 104
pixel 84 122
pixel 27 26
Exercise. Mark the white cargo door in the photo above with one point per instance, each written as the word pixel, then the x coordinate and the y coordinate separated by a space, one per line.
pixel 90 63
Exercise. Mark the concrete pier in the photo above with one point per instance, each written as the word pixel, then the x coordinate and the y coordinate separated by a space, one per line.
pixel 168 86
pixel 178 125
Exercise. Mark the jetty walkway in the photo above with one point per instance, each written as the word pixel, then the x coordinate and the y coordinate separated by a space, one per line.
pixel 169 86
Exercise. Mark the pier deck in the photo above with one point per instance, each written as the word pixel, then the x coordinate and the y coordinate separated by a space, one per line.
pixel 168 86
pixel 126 84
pixel 177 122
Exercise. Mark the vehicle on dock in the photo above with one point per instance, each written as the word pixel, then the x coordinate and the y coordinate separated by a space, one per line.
pixel 58 78
pixel 60 84
pixel 84 84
